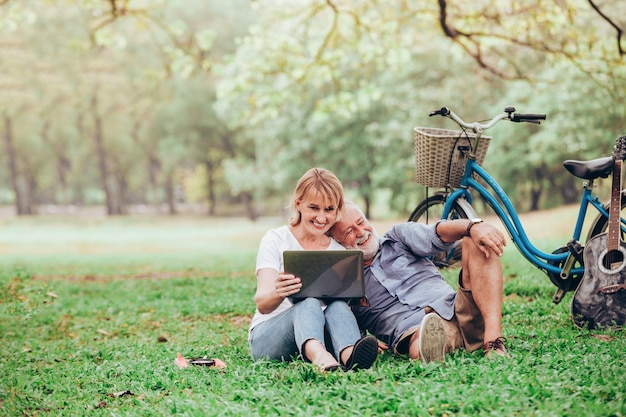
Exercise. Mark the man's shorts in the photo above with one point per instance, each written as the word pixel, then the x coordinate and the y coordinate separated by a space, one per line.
pixel 465 329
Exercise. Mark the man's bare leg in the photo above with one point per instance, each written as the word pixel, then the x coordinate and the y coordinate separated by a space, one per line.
pixel 483 276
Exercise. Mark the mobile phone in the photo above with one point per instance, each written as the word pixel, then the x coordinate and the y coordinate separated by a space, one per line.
pixel 202 362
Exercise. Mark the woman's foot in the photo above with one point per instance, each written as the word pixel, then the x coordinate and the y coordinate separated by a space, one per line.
pixel 326 361
pixel 316 352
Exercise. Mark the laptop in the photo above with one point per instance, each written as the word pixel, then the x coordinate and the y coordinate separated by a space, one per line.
pixel 327 274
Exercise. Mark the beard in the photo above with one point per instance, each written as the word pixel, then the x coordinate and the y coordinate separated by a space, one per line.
pixel 368 244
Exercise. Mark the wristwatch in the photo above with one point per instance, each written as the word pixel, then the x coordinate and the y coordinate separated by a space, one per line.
pixel 471 224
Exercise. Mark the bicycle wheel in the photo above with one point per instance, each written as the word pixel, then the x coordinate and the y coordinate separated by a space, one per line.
pixel 430 211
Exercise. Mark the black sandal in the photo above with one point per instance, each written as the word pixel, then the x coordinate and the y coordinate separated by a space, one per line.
pixel 334 368
pixel 364 353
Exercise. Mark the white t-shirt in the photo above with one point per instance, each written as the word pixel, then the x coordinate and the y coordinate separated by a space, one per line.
pixel 270 255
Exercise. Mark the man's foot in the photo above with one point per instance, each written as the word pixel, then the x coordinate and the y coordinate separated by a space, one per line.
pixel 496 347
pixel 363 354
pixel 432 339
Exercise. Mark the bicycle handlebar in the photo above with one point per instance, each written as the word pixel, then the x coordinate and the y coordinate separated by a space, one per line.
pixel 509 114
pixel 528 117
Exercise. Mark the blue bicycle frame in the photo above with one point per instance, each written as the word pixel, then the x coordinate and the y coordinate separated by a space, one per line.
pixel 507 214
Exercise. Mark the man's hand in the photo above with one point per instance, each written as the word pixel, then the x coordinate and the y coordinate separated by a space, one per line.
pixel 488 238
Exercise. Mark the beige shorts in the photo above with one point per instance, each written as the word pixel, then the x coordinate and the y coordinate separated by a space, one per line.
pixel 468 320
pixel 466 329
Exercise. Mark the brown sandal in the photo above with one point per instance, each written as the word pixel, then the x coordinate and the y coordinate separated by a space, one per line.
pixel 496 346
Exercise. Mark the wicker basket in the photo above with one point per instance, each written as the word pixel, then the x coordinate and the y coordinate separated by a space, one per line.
pixel 440 155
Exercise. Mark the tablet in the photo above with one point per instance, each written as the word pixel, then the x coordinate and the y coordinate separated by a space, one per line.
pixel 327 274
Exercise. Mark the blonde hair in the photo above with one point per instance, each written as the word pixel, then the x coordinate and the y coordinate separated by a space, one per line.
pixel 318 180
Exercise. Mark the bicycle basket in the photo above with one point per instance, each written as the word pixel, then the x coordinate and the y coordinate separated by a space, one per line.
pixel 440 155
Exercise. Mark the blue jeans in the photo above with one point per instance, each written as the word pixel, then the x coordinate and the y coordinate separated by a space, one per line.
pixel 283 336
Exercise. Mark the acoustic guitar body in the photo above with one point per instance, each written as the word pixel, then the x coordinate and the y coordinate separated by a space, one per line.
pixel 600 299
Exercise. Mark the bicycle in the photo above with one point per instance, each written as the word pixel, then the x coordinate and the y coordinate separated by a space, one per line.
pixel 564 266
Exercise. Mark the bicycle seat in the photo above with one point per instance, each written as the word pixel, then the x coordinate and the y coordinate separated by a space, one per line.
pixel 592 169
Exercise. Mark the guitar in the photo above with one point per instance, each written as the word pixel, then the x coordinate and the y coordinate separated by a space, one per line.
pixel 600 298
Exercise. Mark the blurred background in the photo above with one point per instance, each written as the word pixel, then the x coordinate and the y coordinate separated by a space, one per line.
pixel 217 107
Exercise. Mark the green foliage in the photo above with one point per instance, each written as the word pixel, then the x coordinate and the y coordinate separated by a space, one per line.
pixel 324 93
pixel 258 92
pixel 567 133
pixel 109 77
pixel 353 113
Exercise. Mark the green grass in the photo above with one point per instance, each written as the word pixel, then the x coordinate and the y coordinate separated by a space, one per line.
pixel 93 312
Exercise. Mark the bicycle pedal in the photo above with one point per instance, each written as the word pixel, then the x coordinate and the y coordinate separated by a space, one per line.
pixel 576 249
pixel 558 296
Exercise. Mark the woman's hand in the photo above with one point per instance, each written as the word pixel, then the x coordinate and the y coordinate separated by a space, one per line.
pixel 287 284
pixel 273 287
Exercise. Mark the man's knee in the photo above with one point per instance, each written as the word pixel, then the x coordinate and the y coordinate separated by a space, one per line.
pixel 475 260
pixel 472 252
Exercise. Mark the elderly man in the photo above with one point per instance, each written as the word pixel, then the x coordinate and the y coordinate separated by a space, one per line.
pixel 412 309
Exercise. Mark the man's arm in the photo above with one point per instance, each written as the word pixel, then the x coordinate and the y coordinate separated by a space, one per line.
pixel 488 237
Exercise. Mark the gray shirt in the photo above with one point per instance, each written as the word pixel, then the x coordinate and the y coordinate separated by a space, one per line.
pixel 402 281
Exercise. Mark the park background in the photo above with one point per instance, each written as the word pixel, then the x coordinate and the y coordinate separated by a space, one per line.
pixel 147 145
pixel 218 107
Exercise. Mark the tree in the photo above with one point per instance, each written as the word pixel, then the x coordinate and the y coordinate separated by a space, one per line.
pixel 153 92
pixel 111 67
pixel 17 102
pixel 331 71
pixel 579 31
pixel 341 101
pixel 583 122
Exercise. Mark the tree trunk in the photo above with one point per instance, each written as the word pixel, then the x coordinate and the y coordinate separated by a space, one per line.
pixel 248 202
pixel 536 189
pixel 31 194
pixel 368 206
pixel 102 164
pixel 570 192
pixel 170 194
pixel 62 163
pixel 112 207
pixel 535 197
pixel 22 205
pixel 210 187
pixel 122 189
pixel 154 166
pixel 63 168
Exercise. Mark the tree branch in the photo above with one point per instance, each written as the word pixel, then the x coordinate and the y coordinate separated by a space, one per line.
pixel 449 31
pixel 457 36
pixel 617 28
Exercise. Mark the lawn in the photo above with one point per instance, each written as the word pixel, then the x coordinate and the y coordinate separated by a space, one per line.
pixel 93 312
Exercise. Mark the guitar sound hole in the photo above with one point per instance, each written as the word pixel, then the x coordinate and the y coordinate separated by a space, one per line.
pixel 613 259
